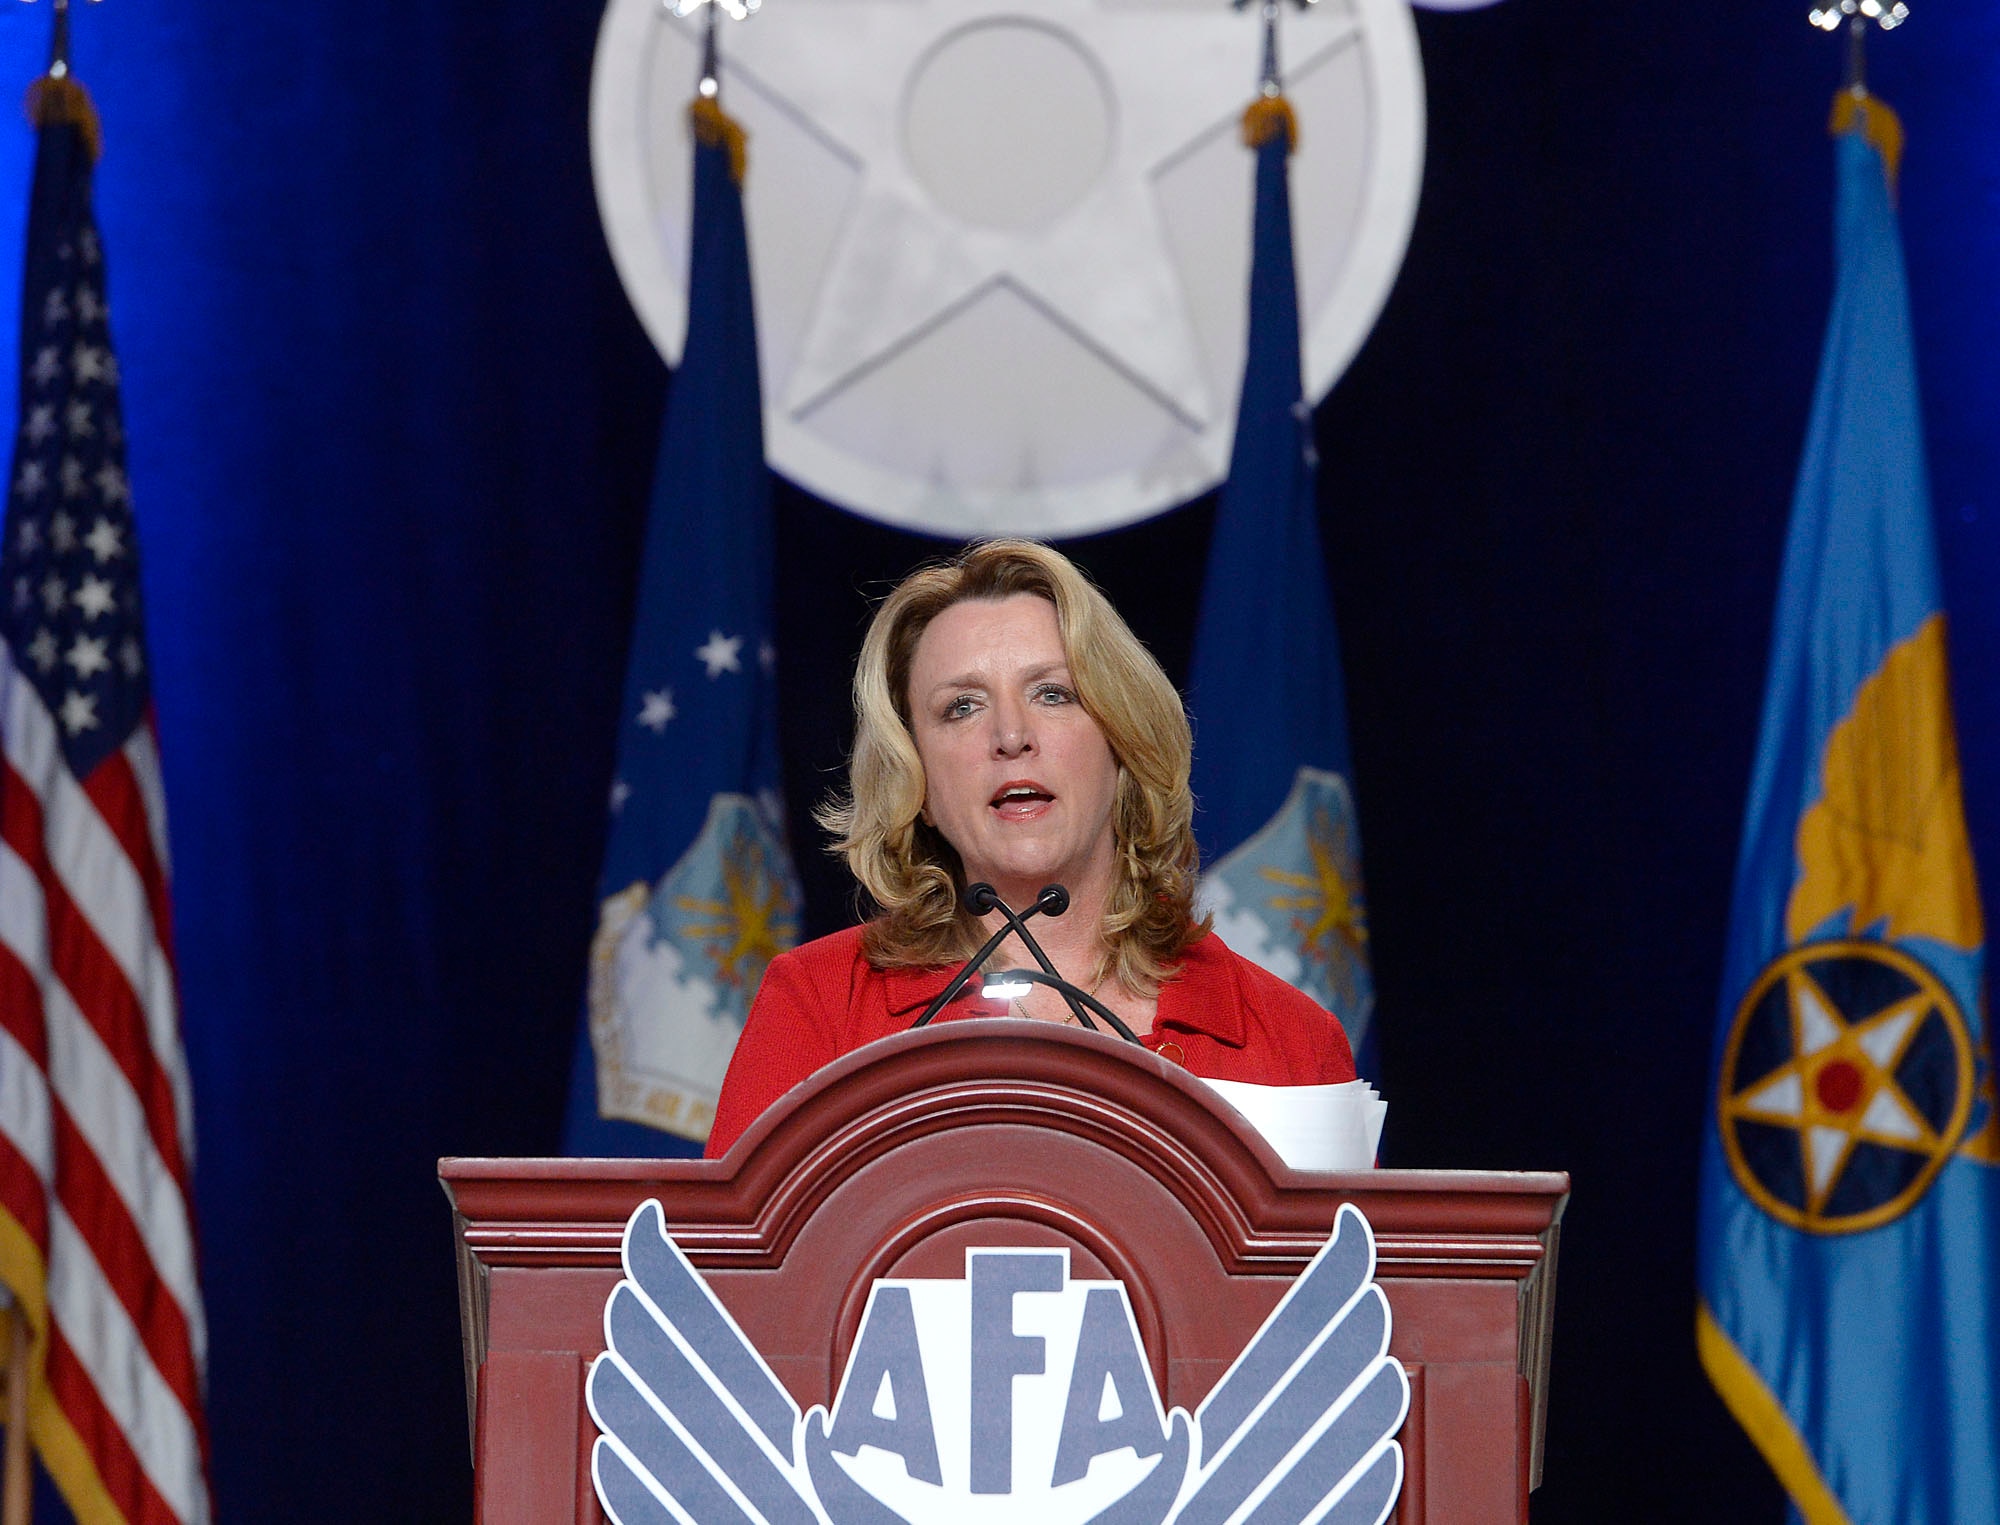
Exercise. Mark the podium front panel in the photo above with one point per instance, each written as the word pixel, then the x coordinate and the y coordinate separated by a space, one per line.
pixel 896 1160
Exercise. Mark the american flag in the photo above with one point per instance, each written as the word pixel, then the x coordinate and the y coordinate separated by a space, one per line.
pixel 96 1142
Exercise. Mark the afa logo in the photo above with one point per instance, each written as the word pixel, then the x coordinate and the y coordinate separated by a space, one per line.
pixel 1015 1394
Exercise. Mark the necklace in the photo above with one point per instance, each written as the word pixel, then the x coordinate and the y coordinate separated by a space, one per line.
pixel 1016 1007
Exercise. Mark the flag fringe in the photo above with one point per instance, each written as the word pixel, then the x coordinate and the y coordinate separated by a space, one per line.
pixel 54 102
pixel 1855 110
pixel 64 1456
pixel 1265 118
pixel 1764 1419
pixel 717 129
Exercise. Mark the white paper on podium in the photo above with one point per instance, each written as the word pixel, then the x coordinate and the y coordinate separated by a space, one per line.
pixel 1334 1127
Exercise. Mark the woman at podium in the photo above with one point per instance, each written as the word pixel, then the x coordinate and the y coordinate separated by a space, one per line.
pixel 1012 731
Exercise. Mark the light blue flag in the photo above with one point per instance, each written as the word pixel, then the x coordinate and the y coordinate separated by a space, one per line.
pixel 1276 815
pixel 1850 1193
pixel 698 892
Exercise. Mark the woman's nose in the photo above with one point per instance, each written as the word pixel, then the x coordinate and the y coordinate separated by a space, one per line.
pixel 1013 731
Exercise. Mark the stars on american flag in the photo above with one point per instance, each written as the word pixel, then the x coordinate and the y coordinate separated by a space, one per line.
pixel 94 596
pixel 86 656
pixel 79 712
pixel 105 540
pixel 72 614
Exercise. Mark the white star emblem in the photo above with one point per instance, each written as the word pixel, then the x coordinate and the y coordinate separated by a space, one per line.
pixel 92 363
pixel 105 540
pixel 656 709
pixel 55 309
pixel 70 473
pixel 620 793
pixel 86 656
pixel 62 534
pixel 94 596
pixel 32 479
pixel 76 420
pixel 1016 234
pixel 79 712
pixel 41 423
pixel 54 593
pixel 89 241
pixel 131 658
pixel 111 482
pixel 88 307
pixel 28 537
pixel 47 366
pixel 720 654
pixel 903 263
pixel 767 656
pixel 42 650
pixel 24 592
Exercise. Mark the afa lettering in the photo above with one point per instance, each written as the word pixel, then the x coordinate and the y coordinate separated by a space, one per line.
pixel 999 1355
pixel 1109 1374
pixel 1013 1383
pixel 886 1371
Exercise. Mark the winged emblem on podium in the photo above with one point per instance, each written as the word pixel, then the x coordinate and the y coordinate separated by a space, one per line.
pixel 1015 1394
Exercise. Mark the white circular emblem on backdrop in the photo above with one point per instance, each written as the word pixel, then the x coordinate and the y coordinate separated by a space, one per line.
pixel 1001 247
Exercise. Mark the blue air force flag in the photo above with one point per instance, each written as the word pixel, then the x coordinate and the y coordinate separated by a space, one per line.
pixel 1271 767
pixel 1850 1202
pixel 698 893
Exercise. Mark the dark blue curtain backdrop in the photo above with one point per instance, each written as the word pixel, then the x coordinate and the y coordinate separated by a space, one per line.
pixel 392 424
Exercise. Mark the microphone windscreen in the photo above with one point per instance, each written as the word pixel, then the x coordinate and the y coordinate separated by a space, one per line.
pixel 1053 900
pixel 980 898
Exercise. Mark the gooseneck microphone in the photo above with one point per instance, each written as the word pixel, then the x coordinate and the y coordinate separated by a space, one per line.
pixel 1052 901
pixel 981 898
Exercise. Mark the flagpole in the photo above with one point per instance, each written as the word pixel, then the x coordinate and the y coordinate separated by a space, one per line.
pixel 16 1489
pixel 17 1460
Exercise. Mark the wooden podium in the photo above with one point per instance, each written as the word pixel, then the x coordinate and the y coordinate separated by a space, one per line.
pixel 895 1160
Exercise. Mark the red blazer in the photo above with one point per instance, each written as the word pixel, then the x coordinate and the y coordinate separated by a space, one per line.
pixel 1220 1015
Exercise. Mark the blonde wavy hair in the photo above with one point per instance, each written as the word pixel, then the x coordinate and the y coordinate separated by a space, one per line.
pixel 913 874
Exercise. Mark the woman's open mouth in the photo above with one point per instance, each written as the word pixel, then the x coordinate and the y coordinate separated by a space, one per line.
pixel 1020 799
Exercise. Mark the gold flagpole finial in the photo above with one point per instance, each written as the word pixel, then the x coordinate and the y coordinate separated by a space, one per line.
pixel 711 124
pixel 57 96
pixel 1270 114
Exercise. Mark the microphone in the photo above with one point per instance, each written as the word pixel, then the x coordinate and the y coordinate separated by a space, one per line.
pixel 1022 978
pixel 1052 901
pixel 979 899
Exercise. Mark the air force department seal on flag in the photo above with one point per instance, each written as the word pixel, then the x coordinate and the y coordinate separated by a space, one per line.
pixel 1290 899
pixel 1015 1394
pixel 674 965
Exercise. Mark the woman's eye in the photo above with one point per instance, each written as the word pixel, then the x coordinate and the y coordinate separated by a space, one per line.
pixel 960 707
pixel 1054 693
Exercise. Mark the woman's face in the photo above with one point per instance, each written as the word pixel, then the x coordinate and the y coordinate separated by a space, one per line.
pixel 1018 778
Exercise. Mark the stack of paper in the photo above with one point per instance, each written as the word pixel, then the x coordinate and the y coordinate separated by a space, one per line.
pixel 1334 1127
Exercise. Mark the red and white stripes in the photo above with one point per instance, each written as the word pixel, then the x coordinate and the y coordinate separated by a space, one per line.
pixel 96 1137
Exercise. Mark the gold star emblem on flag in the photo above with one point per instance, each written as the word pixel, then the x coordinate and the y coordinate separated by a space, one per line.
pixel 1846 1085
